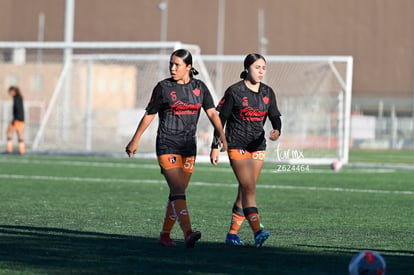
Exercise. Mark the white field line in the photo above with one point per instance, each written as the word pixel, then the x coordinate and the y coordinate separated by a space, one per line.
pixel 134 165
pixel 261 186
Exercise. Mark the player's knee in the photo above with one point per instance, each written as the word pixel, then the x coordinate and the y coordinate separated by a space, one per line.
pixel 177 189
pixel 248 188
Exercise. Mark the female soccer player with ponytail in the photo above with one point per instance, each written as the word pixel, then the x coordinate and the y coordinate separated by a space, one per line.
pixel 17 124
pixel 244 109
pixel 178 101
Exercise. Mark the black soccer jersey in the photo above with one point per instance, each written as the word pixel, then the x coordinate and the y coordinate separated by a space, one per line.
pixel 244 112
pixel 18 109
pixel 178 106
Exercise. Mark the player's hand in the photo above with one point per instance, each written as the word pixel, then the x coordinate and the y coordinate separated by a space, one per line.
pixel 274 135
pixel 214 156
pixel 131 149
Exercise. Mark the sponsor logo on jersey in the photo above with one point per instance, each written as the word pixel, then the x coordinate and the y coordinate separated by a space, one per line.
pixel 196 92
pixel 173 95
pixel 251 114
pixel 266 100
pixel 172 159
pixel 182 108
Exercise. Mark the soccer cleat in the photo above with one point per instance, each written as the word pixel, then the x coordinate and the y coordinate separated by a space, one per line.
pixel 191 237
pixel 165 240
pixel 233 239
pixel 260 237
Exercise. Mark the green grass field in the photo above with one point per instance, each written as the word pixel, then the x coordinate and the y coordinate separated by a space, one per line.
pixel 102 215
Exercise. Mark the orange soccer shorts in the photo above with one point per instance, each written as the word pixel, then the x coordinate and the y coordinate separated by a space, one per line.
pixel 17 125
pixel 170 161
pixel 240 154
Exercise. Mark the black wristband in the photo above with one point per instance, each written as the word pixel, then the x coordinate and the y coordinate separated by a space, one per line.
pixel 215 143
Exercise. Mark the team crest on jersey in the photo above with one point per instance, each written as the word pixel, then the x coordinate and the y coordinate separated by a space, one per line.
pixel 245 101
pixel 196 92
pixel 266 100
pixel 173 95
pixel 172 159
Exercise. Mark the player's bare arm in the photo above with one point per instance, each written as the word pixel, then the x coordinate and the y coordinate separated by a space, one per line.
pixel 132 146
pixel 216 121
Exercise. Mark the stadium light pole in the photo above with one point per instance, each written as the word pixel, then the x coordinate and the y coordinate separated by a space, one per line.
pixel 261 32
pixel 67 60
pixel 40 36
pixel 220 43
pixel 163 8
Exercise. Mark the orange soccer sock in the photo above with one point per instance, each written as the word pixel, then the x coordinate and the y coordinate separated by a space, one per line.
pixel 236 222
pixel 252 216
pixel 237 218
pixel 179 205
pixel 9 146
pixel 169 218
pixel 22 147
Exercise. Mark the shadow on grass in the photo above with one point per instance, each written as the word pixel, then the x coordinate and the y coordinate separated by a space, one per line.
pixel 54 250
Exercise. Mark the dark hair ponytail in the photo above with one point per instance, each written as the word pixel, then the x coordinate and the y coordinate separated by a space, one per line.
pixel 249 60
pixel 193 72
pixel 243 74
pixel 186 56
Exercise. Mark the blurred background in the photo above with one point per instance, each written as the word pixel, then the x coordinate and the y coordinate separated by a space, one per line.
pixel 116 51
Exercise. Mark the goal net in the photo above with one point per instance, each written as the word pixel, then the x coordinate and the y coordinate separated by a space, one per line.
pixel 100 98
pixel 314 97
pixel 101 94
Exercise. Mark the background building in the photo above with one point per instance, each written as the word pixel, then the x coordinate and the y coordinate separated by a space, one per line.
pixel 377 33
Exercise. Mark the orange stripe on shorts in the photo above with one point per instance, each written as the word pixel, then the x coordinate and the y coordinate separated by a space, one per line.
pixel 171 161
pixel 240 154
pixel 18 125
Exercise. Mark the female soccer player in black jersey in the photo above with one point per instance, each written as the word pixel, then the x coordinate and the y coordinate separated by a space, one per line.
pixel 244 109
pixel 178 101
pixel 17 124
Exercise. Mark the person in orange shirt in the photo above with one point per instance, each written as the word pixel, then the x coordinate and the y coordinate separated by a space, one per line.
pixel 17 124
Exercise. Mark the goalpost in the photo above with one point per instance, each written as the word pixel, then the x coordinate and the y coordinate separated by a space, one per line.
pixel 101 94
pixel 108 94
pixel 314 96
